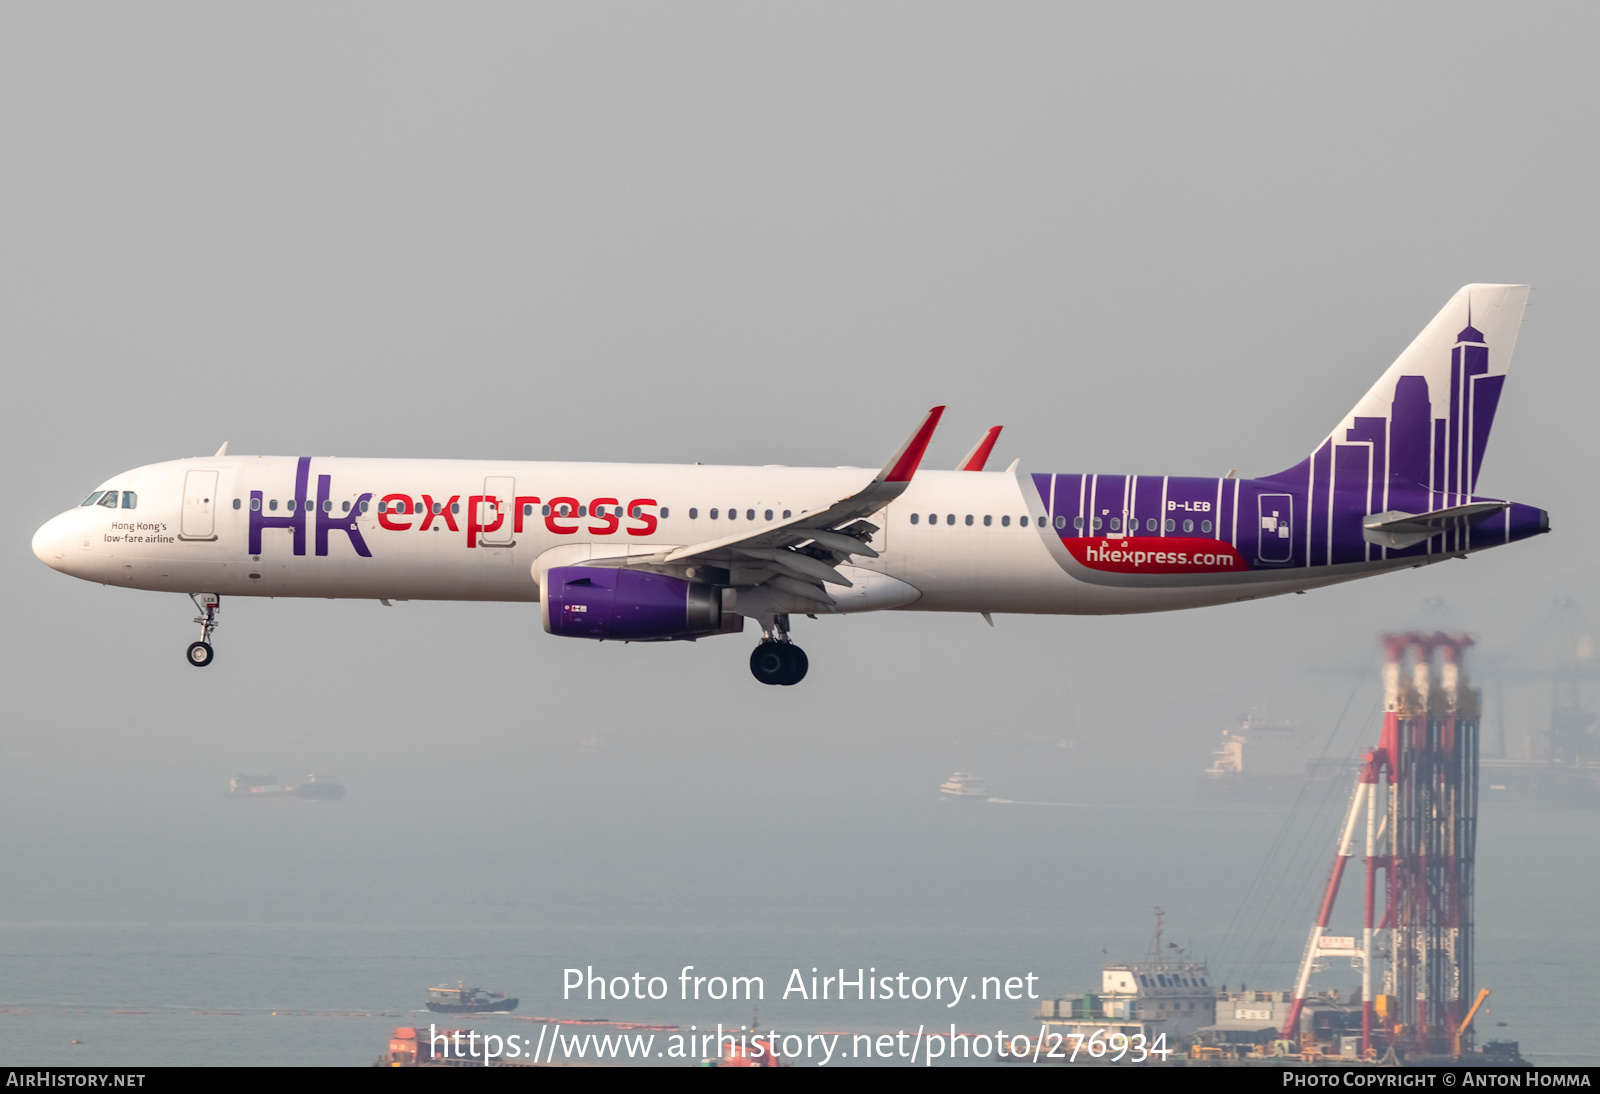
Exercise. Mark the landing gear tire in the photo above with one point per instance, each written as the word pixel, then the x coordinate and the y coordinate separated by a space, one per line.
pixel 799 664
pixel 200 653
pixel 778 663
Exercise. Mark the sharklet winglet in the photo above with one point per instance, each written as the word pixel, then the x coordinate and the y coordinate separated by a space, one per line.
pixel 975 460
pixel 905 462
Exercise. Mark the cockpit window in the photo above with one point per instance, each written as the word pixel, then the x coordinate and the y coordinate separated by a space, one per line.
pixel 129 499
pixel 92 498
pixel 110 500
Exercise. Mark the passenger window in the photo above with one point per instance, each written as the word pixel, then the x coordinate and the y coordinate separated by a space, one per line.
pixel 455 507
pixel 987 520
pixel 1172 525
pixel 1205 526
pixel 1077 522
pixel 110 500
pixel 1188 526
pixel 273 505
pixel 544 510
pixel 786 514
pixel 694 514
pixel 327 505
pixel 713 514
pixel 1095 526
pixel 1150 525
pixel 769 515
pixel 969 520
pixel 1005 522
pixel 91 499
pixel 255 505
pixel 665 512
pixel 344 506
pixel 1116 524
pixel 933 518
pixel 949 518
pixel 915 517
pixel 749 514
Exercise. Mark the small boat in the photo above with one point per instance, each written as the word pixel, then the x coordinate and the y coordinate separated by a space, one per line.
pixel 464 1000
pixel 316 788
pixel 964 787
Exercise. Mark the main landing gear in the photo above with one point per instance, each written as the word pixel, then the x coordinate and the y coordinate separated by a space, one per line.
pixel 778 660
pixel 210 604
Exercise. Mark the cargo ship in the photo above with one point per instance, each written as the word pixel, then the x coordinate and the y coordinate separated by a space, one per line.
pixel 464 1000
pixel 1263 761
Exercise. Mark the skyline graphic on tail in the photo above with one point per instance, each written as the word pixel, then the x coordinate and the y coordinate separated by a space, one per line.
pixel 1394 479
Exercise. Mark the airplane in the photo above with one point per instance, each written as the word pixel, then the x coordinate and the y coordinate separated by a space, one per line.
pixel 647 553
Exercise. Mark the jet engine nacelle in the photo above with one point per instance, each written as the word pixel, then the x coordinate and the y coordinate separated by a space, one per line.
pixel 627 605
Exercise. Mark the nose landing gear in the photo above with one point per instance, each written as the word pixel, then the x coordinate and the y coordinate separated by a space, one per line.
pixel 200 653
pixel 778 660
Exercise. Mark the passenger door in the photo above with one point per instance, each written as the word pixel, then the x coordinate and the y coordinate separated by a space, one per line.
pixel 199 506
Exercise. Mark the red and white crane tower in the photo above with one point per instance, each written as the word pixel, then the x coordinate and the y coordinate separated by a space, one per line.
pixel 1419 791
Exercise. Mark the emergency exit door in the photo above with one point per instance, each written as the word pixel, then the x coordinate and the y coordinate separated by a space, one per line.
pixel 500 494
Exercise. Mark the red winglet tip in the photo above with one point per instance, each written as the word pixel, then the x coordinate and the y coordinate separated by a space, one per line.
pixel 911 455
pixel 979 456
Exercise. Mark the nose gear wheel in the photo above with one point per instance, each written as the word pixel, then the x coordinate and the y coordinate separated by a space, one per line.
pixel 200 654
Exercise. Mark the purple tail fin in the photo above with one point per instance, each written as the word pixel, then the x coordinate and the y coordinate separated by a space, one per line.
pixel 1415 442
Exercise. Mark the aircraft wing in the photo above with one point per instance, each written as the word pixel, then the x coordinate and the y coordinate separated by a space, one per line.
pixel 799 555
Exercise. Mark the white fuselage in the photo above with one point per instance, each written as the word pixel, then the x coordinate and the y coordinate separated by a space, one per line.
pixel 190 530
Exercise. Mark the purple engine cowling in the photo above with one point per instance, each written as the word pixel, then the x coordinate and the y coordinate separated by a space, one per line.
pixel 630 605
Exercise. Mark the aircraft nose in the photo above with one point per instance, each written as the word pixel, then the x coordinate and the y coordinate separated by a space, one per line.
pixel 49 543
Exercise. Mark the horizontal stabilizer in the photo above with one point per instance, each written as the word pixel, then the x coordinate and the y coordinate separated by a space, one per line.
pixel 1398 530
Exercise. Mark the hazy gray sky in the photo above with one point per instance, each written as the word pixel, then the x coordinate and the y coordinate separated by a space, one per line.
pixel 1150 238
